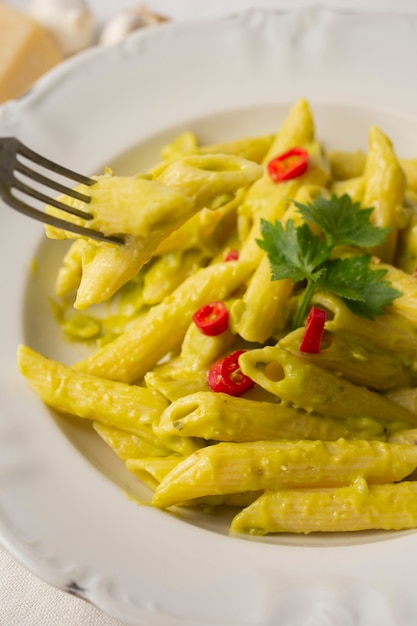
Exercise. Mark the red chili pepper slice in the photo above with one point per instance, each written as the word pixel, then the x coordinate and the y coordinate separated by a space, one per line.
pixel 232 255
pixel 288 165
pixel 212 318
pixel 314 331
pixel 227 377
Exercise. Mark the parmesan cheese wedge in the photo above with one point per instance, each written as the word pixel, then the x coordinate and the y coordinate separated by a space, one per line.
pixel 26 52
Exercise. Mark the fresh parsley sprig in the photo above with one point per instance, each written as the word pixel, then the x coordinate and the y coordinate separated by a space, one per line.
pixel 301 255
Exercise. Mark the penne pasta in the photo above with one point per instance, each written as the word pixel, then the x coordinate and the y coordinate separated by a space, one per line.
pixel 405 397
pixel 251 148
pixel 152 470
pixel 162 329
pixel 390 332
pixel 266 200
pixel 182 188
pixel 175 382
pixel 167 273
pixel 354 358
pixel 220 417
pixel 353 187
pixel 314 389
pixel 258 349
pixel 199 351
pixel 69 275
pixel 123 406
pixel 344 509
pixel 227 468
pixel 404 437
pixel 128 445
pixel 406 305
pixel 384 189
pixel 262 310
pixel 128 407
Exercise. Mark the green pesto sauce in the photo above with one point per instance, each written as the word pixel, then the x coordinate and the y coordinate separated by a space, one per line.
pixel 110 321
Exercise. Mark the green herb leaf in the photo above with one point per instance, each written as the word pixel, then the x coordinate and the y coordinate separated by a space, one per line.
pixel 293 252
pixel 343 222
pixel 301 255
pixel 363 290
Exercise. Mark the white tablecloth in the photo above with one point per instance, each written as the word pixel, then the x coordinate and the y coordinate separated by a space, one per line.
pixel 25 600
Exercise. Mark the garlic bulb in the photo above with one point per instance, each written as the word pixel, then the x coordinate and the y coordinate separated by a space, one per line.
pixel 69 21
pixel 119 26
pixel 125 22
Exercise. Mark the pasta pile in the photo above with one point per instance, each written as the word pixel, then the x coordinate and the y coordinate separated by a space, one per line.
pixel 316 441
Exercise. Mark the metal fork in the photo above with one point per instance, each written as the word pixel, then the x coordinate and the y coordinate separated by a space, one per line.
pixel 15 158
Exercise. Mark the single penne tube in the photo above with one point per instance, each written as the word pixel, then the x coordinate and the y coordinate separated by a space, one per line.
pixel 69 274
pixel 180 145
pixel 312 388
pixel 387 332
pixel 354 358
pixel 199 351
pixel 296 129
pixel 384 190
pixel 343 509
pixel 128 407
pixel 151 470
pixel 162 329
pixel 130 445
pixel 251 148
pixel 220 417
pixel 205 179
pixel 262 309
pixel 226 468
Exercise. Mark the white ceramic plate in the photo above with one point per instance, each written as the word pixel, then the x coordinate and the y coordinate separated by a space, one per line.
pixel 62 512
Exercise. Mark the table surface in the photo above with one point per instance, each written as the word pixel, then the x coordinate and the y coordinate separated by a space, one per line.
pixel 25 600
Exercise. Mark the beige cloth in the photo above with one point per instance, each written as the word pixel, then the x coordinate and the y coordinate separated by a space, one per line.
pixel 25 600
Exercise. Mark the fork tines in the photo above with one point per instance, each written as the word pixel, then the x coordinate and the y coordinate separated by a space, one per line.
pixel 17 173
pixel 20 150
